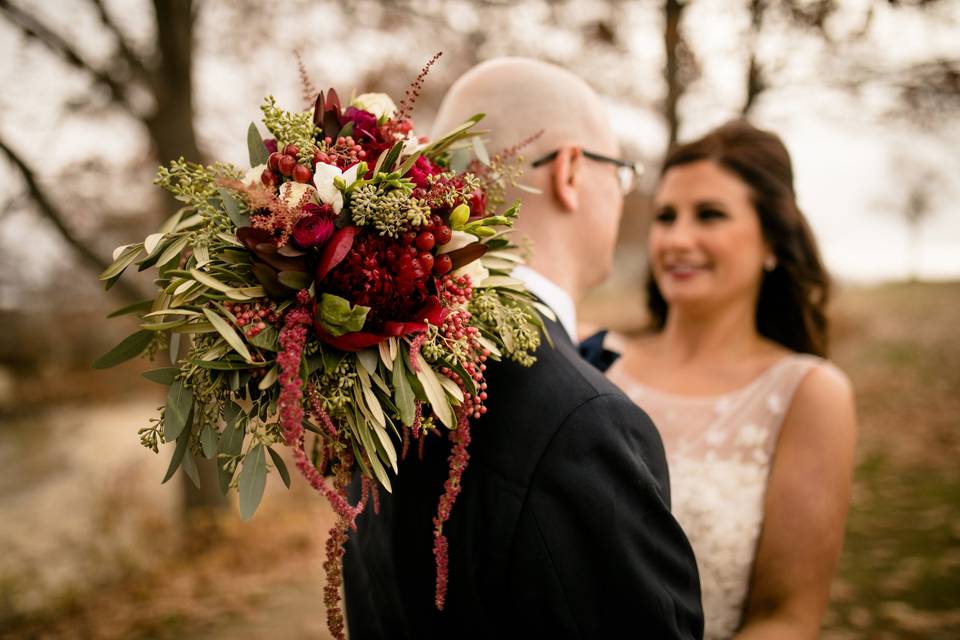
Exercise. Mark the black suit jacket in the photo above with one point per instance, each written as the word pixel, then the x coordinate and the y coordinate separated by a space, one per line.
pixel 562 529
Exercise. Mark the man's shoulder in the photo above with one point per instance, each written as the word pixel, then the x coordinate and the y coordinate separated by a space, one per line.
pixel 529 406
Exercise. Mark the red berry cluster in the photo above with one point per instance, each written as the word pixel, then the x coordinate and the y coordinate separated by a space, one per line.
pixel 253 317
pixel 434 234
pixel 284 165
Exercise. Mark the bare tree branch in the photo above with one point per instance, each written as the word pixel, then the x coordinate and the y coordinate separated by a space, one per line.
pixel 129 56
pixel 33 28
pixel 50 211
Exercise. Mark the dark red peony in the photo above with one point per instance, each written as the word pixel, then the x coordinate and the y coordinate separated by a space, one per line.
pixel 382 274
pixel 364 124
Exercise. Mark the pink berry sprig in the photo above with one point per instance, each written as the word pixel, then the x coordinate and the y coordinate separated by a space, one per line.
pixel 344 152
pixel 253 318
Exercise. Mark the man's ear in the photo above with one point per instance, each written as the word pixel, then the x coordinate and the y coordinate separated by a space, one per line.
pixel 566 177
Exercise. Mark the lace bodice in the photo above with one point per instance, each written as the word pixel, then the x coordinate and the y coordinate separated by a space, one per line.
pixel 719 450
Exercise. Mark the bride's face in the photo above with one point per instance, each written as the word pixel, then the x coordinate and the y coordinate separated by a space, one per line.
pixel 706 245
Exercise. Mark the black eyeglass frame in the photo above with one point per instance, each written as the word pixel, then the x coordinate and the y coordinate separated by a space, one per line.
pixel 635 168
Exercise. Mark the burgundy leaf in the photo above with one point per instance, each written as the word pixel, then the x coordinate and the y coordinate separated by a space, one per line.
pixel 466 255
pixel 335 250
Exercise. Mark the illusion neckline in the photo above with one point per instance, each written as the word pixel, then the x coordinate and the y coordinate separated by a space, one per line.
pixel 763 375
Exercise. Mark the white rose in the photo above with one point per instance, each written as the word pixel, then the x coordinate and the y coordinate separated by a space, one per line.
pixel 379 104
pixel 477 272
pixel 252 176
pixel 291 193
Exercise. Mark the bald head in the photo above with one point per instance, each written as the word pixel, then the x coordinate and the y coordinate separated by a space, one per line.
pixel 575 194
pixel 520 97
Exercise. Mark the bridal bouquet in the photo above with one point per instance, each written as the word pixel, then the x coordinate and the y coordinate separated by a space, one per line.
pixel 339 298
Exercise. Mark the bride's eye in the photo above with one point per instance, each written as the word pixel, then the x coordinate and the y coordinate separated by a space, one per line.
pixel 665 216
pixel 710 214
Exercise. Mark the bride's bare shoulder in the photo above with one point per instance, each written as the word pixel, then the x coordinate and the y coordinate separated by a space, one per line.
pixel 635 348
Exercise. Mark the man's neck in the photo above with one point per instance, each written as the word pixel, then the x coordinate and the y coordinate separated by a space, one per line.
pixel 551 294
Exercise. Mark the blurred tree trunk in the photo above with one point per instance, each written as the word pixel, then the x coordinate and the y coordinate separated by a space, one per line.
pixel 756 83
pixel 672 42
pixel 165 75
pixel 173 135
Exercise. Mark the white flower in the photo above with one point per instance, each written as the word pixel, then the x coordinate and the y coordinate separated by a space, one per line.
pixel 252 176
pixel 291 193
pixel 458 240
pixel 379 104
pixel 477 272
pixel 412 144
pixel 325 176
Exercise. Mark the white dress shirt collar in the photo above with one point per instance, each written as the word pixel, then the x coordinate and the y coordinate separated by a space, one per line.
pixel 552 295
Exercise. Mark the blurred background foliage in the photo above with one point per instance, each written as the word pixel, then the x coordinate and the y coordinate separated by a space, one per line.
pixel 99 92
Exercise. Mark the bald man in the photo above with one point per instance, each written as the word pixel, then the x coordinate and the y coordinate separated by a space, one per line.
pixel 563 526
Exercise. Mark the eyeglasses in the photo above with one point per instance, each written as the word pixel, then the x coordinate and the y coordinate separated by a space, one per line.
pixel 627 172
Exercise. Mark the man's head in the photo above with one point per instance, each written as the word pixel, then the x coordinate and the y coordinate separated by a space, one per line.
pixel 573 221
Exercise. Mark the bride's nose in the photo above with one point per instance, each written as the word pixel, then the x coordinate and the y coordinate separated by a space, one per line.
pixel 681 234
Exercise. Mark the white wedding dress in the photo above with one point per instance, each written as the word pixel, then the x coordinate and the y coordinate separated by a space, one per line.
pixel 719 450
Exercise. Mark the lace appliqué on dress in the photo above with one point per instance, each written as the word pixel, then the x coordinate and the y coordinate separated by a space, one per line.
pixel 719 451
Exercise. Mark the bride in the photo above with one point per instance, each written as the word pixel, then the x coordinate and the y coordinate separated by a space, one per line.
pixel 759 428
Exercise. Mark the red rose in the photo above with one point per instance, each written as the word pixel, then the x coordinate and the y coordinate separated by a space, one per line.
pixel 312 231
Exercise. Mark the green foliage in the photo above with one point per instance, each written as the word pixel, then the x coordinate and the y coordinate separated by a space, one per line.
pixel 390 212
pixel 338 316
pixel 513 322
pixel 131 346
pixel 289 127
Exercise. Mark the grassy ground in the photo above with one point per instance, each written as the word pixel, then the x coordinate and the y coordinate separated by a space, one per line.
pixel 898 575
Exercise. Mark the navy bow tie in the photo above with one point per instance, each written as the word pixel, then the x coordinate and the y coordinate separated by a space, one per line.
pixel 591 349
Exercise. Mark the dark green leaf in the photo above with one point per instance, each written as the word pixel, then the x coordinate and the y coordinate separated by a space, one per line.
pixel 346 131
pixel 177 455
pixel 229 334
pixel 232 207
pixel 143 305
pixel 130 347
pixel 391 159
pixel 255 147
pixel 252 480
pixel 172 253
pixel 231 443
pixel 208 442
pixel 161 376
pixel 281 467
pixel 295 279
pixel 403 394
pixel 179 403
pixel 223 365
pixel 190 468
pixel 116 269
pixel 268 339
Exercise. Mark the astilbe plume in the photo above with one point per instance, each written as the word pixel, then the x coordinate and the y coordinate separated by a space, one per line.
pixel 310 92
pixel 290 406
pixel 455 293
pixel 405 108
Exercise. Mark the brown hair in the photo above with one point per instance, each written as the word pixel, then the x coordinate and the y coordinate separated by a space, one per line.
pixel 793 296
